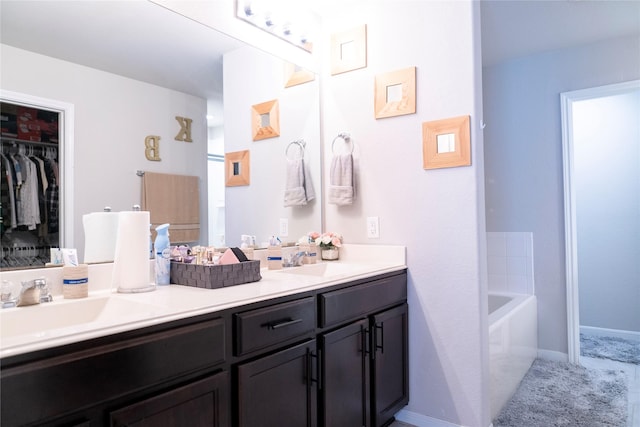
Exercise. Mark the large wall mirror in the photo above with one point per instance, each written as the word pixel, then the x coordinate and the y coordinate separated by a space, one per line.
pixel 128 68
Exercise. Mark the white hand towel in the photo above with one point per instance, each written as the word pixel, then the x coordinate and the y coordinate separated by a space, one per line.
pixel 309 192
pixel 341 188
pixel 298 188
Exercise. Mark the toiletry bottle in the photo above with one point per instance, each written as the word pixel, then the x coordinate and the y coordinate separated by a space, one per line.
pixel 163 255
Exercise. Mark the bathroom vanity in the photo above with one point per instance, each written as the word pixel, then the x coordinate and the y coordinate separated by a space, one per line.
pixel 305 347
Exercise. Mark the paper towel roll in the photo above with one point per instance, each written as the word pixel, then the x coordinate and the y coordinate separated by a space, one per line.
pixel 100 234
pixel 131 262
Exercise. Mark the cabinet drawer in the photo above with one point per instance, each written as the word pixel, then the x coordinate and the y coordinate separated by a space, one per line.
pixel 356 301
pixel 263 327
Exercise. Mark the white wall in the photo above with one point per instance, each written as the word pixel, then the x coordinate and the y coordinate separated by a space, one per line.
pixel 437 214
pixel 262 202
pixel 215 172
pixel 113 115
pixel 606 177
pixel 523 156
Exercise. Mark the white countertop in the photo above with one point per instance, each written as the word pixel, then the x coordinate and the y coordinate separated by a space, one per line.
pixel 106 312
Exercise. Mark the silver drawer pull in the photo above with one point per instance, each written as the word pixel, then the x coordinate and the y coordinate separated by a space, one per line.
pixel 282 323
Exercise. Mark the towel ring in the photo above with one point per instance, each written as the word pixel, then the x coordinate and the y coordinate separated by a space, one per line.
pixel 345 137
pixel 300 143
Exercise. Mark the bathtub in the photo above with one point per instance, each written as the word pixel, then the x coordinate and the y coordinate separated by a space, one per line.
pixel 513 344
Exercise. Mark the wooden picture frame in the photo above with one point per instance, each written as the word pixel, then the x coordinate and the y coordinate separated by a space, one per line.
pixel 349 50
pixel 395 93
pixel 265 120
pixel 446 143
pixel 295 75
pixel 237 168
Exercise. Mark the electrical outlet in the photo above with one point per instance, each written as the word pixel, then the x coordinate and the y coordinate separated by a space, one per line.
pixel 284 227
pixel 373 227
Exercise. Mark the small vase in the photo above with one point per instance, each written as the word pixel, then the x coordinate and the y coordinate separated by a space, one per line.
pixel 330 254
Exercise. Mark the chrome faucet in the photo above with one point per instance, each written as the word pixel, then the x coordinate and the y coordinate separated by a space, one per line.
pixel 295 260
pixel 34 291
pixel 45 293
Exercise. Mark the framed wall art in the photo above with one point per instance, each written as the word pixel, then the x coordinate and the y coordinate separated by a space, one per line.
pixel 446 143
pixel 296 75
pixel 265 120
pixel 349 50
pixel 395 93
pixel 237 168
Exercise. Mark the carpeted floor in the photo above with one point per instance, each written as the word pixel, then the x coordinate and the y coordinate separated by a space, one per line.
pixel 554 394
pixel 610 348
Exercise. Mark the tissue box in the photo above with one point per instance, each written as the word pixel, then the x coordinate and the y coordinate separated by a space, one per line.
pixel 274 257
pixel 312 253
pixel 215 276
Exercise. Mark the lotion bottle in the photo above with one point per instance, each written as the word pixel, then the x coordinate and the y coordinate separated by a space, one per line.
pixel 163 255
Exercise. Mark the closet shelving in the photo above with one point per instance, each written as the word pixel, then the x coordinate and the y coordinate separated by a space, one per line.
pixel 30 180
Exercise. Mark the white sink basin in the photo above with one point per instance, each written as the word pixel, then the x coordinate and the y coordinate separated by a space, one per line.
pixel 45 317
pixel 325 269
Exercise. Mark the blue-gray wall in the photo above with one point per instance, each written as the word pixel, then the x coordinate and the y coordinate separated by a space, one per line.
pixel 523 156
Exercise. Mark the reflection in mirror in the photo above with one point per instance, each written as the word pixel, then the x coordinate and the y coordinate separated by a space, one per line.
pixel 394 93
pixel 264 120
pixel 348 50
pixel 236 168
pixel 446 143
pixel 296 110
pixel 117 108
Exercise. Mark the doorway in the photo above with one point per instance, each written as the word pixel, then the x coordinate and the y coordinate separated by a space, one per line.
pixel 32 137
pixel 601 150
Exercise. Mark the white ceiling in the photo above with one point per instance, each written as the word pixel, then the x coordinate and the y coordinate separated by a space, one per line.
pixel 134 38
pixel 141 40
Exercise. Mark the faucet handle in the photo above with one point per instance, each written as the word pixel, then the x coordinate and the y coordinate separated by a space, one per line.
pixel 8 296
pixel 45 295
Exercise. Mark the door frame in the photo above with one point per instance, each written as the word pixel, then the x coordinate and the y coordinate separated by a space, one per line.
pixel 571 249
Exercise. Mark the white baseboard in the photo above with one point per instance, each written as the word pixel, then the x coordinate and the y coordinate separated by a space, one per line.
pixel 604 332
pixel 556 356
pixel 420 420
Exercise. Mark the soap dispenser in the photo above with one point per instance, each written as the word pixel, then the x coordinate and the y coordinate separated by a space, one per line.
pixel 163 255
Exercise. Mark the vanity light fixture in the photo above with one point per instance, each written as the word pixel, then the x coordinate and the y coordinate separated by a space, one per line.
pixel 285 20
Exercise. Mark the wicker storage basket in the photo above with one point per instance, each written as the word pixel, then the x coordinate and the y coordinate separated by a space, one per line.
pixel 215 276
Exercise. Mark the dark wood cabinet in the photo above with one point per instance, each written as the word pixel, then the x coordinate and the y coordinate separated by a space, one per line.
pixel 199 403
pixel 390 363
pixel 345 376
pixel 365 370
pixel 333 357
pixel 79 383
pixel 279 390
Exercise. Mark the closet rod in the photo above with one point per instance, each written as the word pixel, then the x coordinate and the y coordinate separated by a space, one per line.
pixel 14 141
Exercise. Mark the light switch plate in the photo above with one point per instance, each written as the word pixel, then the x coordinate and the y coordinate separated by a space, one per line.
pixel 373 227
pixel 284 227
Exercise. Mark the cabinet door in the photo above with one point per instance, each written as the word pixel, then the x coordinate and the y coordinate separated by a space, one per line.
pixel 390 363
pixel 345 376
pixel 201 403
pixel 279 390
